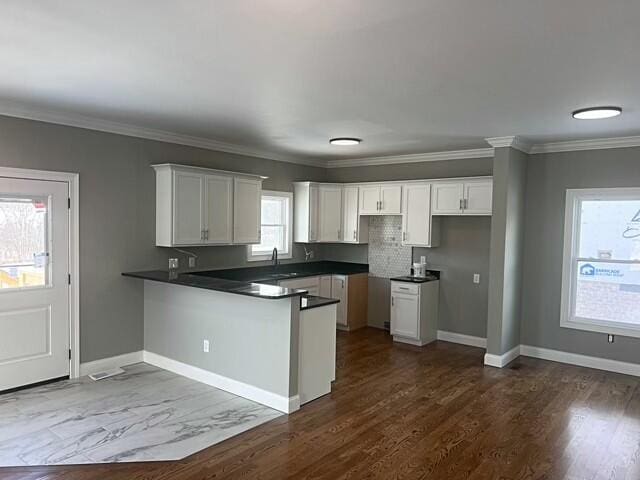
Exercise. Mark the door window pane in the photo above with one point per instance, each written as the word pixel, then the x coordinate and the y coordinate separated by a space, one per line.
pixel 24 246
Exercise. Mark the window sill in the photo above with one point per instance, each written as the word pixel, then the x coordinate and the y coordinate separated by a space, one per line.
pixel 601 328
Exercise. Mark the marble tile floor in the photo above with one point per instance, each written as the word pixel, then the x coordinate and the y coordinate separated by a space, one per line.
pixel 144 414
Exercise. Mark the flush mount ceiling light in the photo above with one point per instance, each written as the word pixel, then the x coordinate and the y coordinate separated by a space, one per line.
pixel 596 113
pixel 345 141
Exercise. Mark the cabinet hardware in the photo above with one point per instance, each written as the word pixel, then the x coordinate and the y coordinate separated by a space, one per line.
pixel 403 288
pixel 206 234
pixel 466 203
pixel 392 302
pixel 355 234
pixel 342 283
pixel 404 236
pixel 461 204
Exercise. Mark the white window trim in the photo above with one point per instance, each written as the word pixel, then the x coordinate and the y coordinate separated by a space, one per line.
pixel 570 256
pixel 289 253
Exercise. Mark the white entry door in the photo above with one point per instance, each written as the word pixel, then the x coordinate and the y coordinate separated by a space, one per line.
pixel 34 282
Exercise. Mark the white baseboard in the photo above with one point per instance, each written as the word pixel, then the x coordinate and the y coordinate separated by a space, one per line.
pixel 598 363
pixel 500 361
pixel 89 368
pixel 278 402
pixel 462 339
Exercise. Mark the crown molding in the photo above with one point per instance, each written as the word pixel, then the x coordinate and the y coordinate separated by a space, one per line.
pixel 593 144
pixel 101 125
pixel 413 158
pixel 513 141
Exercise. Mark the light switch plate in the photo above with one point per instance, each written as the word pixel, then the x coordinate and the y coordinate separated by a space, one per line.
pixel 476 278
pixel 205 346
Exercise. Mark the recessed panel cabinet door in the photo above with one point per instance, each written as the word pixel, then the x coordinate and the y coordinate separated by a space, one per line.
pixel 370 200
pixel 447 198
pixel 391 199
pixel 246 210
pixel 339 291
pixel 188 217
pixel 218 211
pixel 478 198
pixel 405 315
pixel 330 213
pixel 416 221
pixel 350 218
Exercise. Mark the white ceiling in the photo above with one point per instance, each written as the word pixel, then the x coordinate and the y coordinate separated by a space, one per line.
pixel 283 76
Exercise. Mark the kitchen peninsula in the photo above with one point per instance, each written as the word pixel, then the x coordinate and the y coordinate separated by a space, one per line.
pixel 240 331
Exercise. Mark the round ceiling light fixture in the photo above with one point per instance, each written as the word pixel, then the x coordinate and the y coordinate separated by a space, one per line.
pixel 596 113
pixel 345 141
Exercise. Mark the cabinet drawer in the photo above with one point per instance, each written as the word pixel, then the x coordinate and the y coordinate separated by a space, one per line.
pixel 405 287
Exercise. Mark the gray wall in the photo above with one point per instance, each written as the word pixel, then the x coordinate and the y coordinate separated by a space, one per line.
pixel 507 246
pixel 411 171
pixel 117 216
pixel 463 250
pixel 548 178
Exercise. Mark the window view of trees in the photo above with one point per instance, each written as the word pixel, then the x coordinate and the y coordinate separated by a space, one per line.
pixel 22 242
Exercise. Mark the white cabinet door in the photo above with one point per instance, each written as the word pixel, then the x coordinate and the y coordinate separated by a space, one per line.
pixel 416 220
pixel 370 200
pixel 188 215
pixel 391 199
pixel 447 198
pixel 218 194
pixel 405 315
pixel 478 198
pixel 339 291
pixel 246 210
pixel 329 213
pixel 350 217
pixel 325 286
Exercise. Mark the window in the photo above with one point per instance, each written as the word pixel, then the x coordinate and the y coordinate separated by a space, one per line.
pixel 276 226
pixel 601 268
pixel 23 242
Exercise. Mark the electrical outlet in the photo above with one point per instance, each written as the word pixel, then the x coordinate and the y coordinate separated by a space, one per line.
pixel 423 259
pixel 611 338
pixel 205 346
pixel 476 278
pixel 192 262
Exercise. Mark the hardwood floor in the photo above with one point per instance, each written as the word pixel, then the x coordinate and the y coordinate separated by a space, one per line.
pixel 398 411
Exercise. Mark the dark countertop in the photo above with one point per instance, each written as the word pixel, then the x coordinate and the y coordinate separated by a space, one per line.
pixel 432 275
pixel 286 271
pixel 311 301
pixel 220 285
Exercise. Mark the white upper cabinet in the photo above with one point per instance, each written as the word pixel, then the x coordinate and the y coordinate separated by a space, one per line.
pixel 447 198
pixel 199 206
pixel 305 212
pixel 385 199
pixel 469 197
pixel 417 224
pixel 188 215
pixel 391 199
pixel 217 209
pixel 369 199
pixel 246 210
pixel 478 197
pixel 355 229
pixel 329 213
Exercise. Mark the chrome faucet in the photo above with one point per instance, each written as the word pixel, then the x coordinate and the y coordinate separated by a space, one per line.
pixel 274 257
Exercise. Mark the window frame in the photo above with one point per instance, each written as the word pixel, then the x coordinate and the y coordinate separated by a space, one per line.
pixel 262 256
pixel 574 198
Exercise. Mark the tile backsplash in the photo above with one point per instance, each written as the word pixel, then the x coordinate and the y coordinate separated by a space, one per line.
pixel 387 256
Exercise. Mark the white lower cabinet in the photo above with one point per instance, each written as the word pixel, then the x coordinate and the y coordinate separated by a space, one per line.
pixel 325 286
pixel 414 312
pixel 339 285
